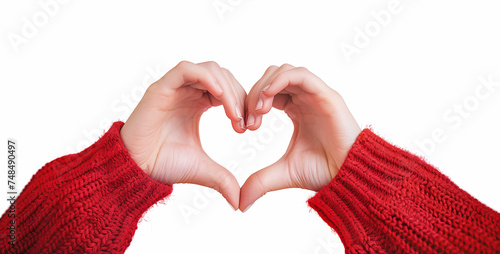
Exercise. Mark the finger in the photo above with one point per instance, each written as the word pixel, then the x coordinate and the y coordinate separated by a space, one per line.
pixel 269 71
pixel 254 119
pixel 280 101
pixel 297 77
pixel 259 104
pixel 229 100
pixel 220 179
pixel 185 73
pixel 213 101
pixel 291 81
pixel 240 95
pixel 271 178
pixel 264 103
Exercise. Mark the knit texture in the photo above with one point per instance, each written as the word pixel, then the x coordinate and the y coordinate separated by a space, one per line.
pixel 89 202
pixel 386 200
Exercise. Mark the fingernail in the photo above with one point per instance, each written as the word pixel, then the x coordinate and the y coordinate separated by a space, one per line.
pixel 242 124
pixel 238 113
pixel 265 88
pixel 260 103
pixel 248 207
pixel 250 120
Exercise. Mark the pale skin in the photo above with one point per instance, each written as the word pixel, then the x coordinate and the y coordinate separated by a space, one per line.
pixel 162 133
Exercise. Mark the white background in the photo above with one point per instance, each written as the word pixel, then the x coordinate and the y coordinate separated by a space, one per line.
pixel 88 62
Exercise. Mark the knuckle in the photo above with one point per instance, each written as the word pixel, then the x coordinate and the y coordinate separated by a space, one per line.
pixel 280 76
pixel 183 64
pixel 153 87
pixel 271 68
pixel 286 66
pixel 303 70
pixel 212 65
pixel 157 89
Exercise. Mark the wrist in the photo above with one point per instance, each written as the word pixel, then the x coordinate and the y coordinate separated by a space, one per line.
pixel 124 137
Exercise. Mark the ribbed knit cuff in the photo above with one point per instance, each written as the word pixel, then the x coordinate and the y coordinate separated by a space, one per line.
pixel 89 202
pixel 113 190
pixel 386 200
pixel 123 182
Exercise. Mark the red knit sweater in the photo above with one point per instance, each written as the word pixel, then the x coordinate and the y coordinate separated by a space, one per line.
pixel 386 200
pixel 383 200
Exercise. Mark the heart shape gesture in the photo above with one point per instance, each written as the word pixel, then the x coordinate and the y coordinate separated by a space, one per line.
pixel 324 131
pixel 162 133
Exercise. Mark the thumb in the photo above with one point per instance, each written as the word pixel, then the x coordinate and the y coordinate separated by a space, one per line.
pixel 217 177
pixel 271 178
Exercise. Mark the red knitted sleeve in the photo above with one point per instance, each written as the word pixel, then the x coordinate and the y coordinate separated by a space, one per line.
pixel 88 202
pixel 386 200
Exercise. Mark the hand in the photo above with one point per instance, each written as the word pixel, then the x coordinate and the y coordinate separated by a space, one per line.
pixel 324 131
pixel 162 133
